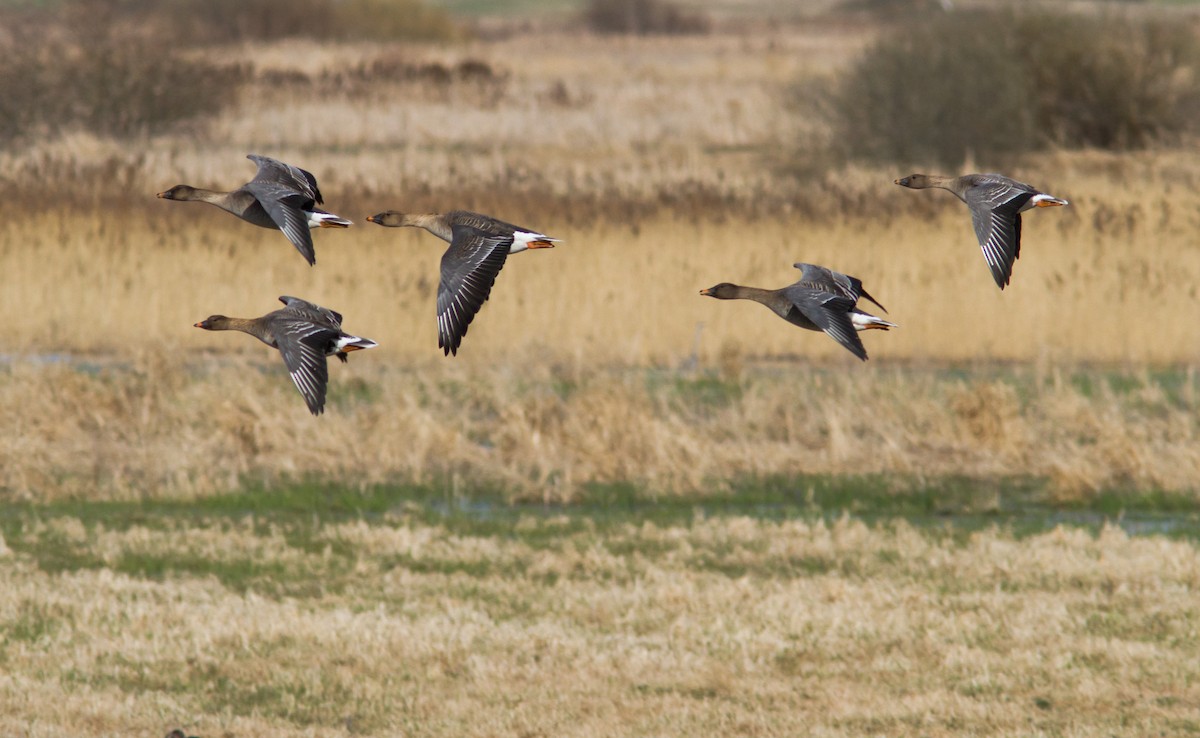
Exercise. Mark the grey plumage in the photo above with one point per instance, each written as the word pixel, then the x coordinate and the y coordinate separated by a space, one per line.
pixel 822 300
pixel 468 270
pixel 996 203
pixel 305 334
pixel 280 197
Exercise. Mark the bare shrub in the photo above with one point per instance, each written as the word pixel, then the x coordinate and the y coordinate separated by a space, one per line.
pixel 84 67
pixel 935 92
pixel 990 84
pixel 1110 82
pixel 642 17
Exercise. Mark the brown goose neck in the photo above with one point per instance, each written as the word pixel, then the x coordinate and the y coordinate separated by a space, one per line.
pixel 436 223
pixel 758 294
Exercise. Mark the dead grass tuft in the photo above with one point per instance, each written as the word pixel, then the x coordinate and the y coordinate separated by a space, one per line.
pixel 186 426
pixel 991 412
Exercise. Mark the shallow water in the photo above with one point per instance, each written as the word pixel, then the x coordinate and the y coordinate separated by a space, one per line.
pixel 1022 522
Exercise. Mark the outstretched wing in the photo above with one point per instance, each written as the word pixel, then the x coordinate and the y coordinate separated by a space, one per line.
pixel 286 209
pixel 303 345
pixel 996 214
pixel 830 313
pixel 824 279
pixel 469 269
pixel 312 311
pixel 293 178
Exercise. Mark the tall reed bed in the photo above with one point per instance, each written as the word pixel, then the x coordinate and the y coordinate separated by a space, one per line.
pixel 1103 280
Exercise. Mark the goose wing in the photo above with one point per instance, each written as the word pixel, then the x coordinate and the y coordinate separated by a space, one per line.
pixel 469 269
pixel 303 345
pixel 286 208
pixel 312 311
pixel 483 222
pixel 822 278
pixel 292 178
pixel 995 205
pixel 830 313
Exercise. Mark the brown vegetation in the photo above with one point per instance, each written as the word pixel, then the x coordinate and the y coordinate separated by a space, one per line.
pixel 84 66
pixel 666 164
pixel 149 426
pixel 655 166
pixel 992 84
pixel 642 17
pixel 718 626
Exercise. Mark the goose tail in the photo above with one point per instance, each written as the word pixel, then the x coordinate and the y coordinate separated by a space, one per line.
pixel 1047 201
pixel 322 219
pixel 348 343
pixel 865 321
pixel 523 240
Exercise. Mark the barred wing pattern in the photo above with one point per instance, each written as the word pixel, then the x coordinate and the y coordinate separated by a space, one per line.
pixel 286 209
pixel 469 269
pixel 303 345
pixel 293 178
pixel 285 192
pixel 312 311
pixel 483 222
pixel 996 214
pixel 830 313
pixel 814 276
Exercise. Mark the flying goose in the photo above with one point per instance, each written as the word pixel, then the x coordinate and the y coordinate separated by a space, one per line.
pixel 996 203
pixel 823 300
pixel 441 225
pixel 305 334
pixel 479 245
pixel 280 196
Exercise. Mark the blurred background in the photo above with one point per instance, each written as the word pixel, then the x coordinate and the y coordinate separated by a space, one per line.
pixel 671 145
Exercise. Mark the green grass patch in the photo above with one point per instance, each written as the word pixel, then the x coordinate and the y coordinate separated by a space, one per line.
pixel 609 516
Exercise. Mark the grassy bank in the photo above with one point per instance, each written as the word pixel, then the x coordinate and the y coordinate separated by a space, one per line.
pixel 179 427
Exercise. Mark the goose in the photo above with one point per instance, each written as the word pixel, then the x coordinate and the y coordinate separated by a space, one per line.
pixel 823 300
pixel 996 203
pixel 280 196
pixel 479 246
pixel 305 335
pixel 441 225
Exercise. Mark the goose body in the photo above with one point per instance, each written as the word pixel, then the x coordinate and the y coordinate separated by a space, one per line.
pixel 479 246
pixel 996 203
pixel 280 197
pixel 305 334
pixel 822 300
pixel 442 226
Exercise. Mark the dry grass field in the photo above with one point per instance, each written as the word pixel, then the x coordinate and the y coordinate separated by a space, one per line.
pixel 557 626
pixel 180 428
pixel 610 513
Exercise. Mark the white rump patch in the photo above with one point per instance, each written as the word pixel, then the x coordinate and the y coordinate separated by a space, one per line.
pixel 522 239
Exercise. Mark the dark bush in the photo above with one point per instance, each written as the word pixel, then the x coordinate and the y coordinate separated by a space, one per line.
pixel 992 84
pixel 1110 82
pixel 82 67
pixel 642 17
